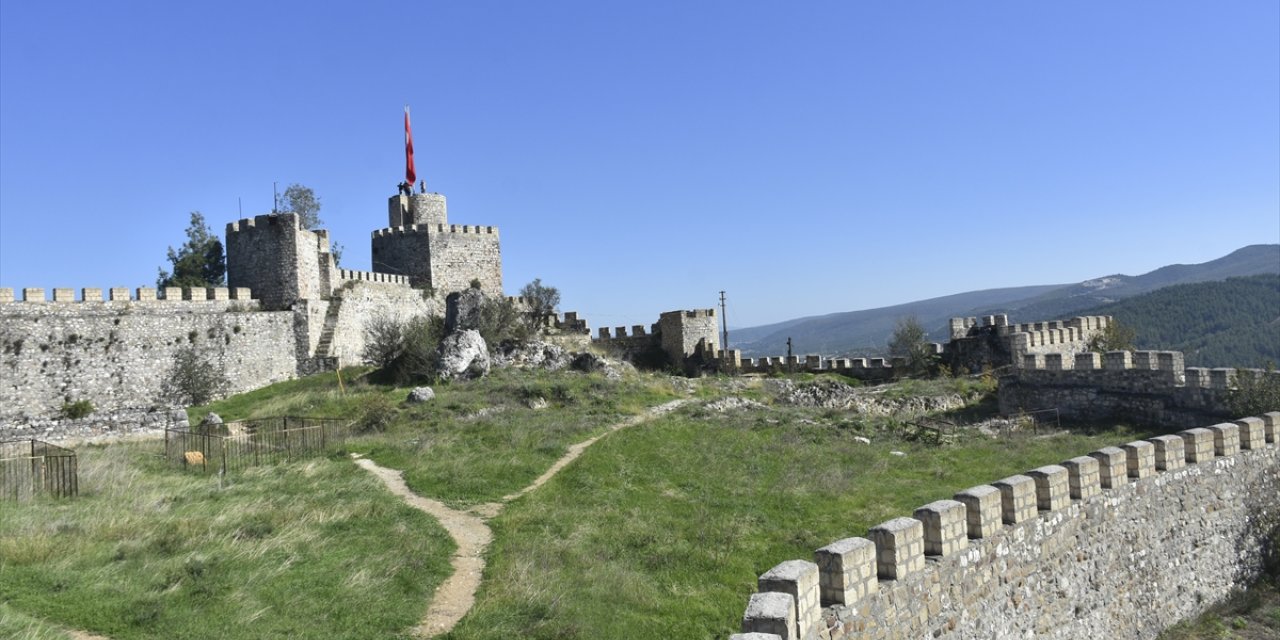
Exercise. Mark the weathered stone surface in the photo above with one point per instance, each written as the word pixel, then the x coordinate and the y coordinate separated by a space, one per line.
pixel 983 512
pixel 420 394
pixel 1017 498
pixel 463 356
pixel 1112 467
pixel 462 310
pixel 799 578
pixel 1082 477
pixel 944 527
pixel 1170 453
pixel 771 613
pixel 899 547
pixel 1226 439
pixel 1140 459
pixel 534 354
pixel 1197 445
pixel 846 570
pixel 1053 491
pixel 1126 563
pixel 1252 433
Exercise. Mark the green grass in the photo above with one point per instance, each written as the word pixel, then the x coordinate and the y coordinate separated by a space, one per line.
pixel 661 530
pixel 1245 615
pixel 316 548
pixel 16 625
pixel 480 440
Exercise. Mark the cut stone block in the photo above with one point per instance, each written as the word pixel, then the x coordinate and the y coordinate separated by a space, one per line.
pixel 944 527
pixel 1082 477
pixel 1170 453
pixel 771 613
pixel 1252 433
pixel 1017 498
pixel 846 570
pixel 1140 456
pixel 899 547
pixel 1112 467
pixel 1226 439
pixel 1197 444
pixel 1052 489
pixel 982 510
pixel 799 578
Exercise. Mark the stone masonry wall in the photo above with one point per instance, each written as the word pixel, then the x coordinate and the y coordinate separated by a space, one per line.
pixel 116 354
pixel 462 253
pixel 1144 387
pixel 1121 543
pixel 360 303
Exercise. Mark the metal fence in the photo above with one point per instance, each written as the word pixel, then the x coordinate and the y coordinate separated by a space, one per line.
pixel 246 443
pixel 31 467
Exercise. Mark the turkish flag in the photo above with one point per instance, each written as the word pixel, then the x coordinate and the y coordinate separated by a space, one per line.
pixel 410 175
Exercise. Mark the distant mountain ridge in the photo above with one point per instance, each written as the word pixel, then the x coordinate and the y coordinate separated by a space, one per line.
pixel 867 331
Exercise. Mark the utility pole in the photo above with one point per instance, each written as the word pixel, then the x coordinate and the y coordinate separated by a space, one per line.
pixel 724 322
pixel 275 196
pixel 788 354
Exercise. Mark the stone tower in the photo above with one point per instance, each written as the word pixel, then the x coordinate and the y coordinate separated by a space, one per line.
pixel 279 260
pixel 420 243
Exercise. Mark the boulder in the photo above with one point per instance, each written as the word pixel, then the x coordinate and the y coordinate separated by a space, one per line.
pixel 533 354
pixel 211 420
pixel 463 356
pixel 462 310
pixel 420 394
pixel 588 362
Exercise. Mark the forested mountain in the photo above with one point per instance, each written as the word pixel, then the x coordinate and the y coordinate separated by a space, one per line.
pixel 867 332
pixel 1230 323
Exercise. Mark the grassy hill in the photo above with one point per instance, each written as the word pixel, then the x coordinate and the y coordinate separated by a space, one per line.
pixel 1231 323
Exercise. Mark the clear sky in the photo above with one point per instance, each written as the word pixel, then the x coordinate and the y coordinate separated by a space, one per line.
pixel 806 157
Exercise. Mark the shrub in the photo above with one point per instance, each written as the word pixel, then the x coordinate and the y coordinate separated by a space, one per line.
pixel 404 351
pixel 1255 392
pixel 76 410
pixel 542 301
pixel 193 379
pixel 376 412
pixel 500 321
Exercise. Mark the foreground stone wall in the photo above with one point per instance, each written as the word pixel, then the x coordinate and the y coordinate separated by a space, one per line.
pixel 116 354
pixel 1121 543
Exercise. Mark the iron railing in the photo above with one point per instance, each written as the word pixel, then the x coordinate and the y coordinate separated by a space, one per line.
pixel 245 443
pixel 32 467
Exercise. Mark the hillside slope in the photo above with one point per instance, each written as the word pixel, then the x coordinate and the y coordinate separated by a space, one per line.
pixel 867 331
pixel 1231 323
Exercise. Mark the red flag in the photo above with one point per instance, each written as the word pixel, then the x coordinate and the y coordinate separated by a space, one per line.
pixel 410 175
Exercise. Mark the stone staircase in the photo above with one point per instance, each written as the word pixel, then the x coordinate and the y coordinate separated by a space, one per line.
pixel 324 348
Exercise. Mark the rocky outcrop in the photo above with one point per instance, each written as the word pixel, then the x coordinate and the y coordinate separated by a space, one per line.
pixel 463 356
pixel 533 355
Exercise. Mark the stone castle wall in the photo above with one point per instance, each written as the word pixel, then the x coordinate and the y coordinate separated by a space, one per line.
pixel 360 303
pixel 995 342
pixel 1121 543
pixel 117 353
pixel 1145 387
pixel 683 332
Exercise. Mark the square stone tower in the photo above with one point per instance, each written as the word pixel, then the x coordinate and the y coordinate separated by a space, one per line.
pixel 420 243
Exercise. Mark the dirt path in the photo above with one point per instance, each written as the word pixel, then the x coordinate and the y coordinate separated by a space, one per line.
pixel 456 595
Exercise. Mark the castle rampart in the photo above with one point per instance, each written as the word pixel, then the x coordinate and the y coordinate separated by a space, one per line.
pixel 279 260
pixel 1122 543
pixel 1145 387
pixel 441 257
pixel 994 342
pixel 117 353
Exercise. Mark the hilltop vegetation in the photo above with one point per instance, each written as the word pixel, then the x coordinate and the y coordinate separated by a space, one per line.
pixel 658 530
pixel 1231 323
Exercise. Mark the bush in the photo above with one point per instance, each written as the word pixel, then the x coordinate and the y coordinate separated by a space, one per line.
pixel 376 413
pixel 193 379
pixel 542 301
pixel 500 321
pixel 1255 392
pixel 404 351
pixel 76 410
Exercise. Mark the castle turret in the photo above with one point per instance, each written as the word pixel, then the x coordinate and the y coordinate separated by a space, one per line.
pixel 421 244
pixel 279 260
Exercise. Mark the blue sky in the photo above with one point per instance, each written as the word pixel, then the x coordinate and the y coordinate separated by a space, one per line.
pixel 806 157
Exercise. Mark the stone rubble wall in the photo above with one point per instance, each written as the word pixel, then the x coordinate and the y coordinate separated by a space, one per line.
pixel 116 354
pixel 279 260
pixel 363 302
pixel 1145 387
pixel 1121 543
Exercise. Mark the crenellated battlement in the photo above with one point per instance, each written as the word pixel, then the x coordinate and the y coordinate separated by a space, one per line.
pixel 465 229
pixel 1052 552
pixel 995 342
pixel 61 295
pixel 291 220
pixel 349 275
